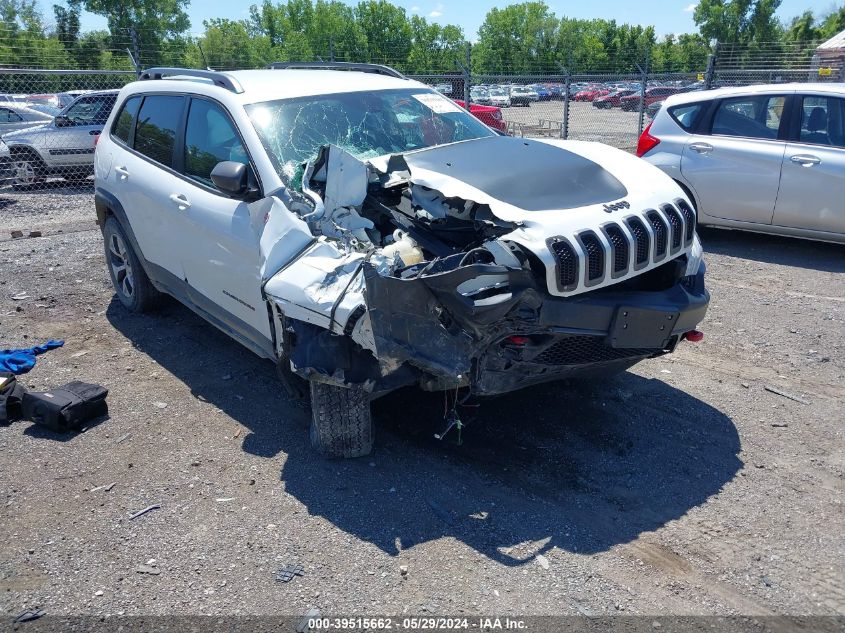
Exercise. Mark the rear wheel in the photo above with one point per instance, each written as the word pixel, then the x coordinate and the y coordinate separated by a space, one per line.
pixel 131 284
pixel 341 422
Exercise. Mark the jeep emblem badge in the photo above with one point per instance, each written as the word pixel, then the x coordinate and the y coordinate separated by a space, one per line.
pixel 610 208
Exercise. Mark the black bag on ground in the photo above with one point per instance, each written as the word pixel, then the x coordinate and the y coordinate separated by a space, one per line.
pixel 11 392
pixel 65 408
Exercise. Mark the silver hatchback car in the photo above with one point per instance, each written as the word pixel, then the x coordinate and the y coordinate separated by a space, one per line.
pixel 766 158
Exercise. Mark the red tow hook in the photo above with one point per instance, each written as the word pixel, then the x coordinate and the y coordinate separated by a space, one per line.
pixel 694 336
pixel 519 341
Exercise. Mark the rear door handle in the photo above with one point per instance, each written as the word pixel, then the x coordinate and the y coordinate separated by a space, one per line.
pixel 701 148
pixel 180 200
pixel 122 172
pixel 806 160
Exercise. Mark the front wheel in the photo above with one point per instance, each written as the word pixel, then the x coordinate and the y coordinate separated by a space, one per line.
pixel 28 169
pixel 341 422
pixel 131 284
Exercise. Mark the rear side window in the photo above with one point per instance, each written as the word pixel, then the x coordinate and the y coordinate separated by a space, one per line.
pixel 90 110
pixel 749 117
pixel 686 115
pixel 7 116
pixel 123 122
pixel 210 138
pixel 823 121
pixel 155 132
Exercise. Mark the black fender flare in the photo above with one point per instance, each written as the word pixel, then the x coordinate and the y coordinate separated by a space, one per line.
pixel 107 204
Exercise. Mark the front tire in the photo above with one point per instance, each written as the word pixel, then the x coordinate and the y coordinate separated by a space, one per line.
pixel 341 422
pixel 131 284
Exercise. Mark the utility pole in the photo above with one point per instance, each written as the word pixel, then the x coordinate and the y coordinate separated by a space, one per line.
pixel 467 72
pixel 711 68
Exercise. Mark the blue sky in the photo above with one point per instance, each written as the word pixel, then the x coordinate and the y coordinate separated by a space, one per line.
pixel 668 16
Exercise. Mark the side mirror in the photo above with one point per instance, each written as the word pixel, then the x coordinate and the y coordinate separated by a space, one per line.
pixel 234 178
pixel 63 121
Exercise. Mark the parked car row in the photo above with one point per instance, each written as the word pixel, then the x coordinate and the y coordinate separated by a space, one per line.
pixel 505 96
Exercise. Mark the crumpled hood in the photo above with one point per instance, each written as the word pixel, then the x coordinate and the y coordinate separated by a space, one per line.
pixel 527 174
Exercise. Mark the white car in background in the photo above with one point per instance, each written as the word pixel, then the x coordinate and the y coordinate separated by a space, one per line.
pixel 18 116
pixel 766 158
pixel 499 98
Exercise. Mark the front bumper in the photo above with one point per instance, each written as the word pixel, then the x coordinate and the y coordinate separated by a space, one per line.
pixel 447 340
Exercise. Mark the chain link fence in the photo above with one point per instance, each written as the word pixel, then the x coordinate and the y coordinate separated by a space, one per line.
pixel 50 118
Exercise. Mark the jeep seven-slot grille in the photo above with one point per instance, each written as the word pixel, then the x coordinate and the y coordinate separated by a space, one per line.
pixel 567 264
pixel 676 224
pixel 642 239
pixel 659 228
pixel 636 242
pixel 595 255
pixel 580 350
pixel 620 248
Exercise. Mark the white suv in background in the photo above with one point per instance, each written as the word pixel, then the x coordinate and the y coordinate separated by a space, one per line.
pixel 365 233
pixel 768 158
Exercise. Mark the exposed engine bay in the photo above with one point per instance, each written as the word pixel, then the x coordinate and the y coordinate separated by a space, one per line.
pixel 422 268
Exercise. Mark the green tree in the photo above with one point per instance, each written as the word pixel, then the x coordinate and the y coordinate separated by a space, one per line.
pixel 385 32
pixel 159 25
pixel 228 44
pixel 519 38
pixel 833 23
pixel 738 21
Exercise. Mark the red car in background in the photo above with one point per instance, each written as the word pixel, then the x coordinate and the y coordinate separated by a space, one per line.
pixel 491 116
pixel 612 100
pixel 652 95
pixel 590 93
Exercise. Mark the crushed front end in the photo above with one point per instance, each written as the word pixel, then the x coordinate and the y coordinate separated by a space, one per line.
pixel 491 264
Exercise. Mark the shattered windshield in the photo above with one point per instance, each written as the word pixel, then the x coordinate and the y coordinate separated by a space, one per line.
pixel 365 124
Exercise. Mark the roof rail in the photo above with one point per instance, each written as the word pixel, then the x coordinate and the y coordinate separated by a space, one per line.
pixel 217 78
pixel 377 69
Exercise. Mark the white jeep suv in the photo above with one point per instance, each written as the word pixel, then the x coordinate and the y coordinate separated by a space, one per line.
pixel 365 233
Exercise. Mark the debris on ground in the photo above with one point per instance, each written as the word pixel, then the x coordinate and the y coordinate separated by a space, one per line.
pixel 786 394
pixel 148 569
pixel 123 438
pixel 287 573
pixel 542 561
pixel 107 487
pixel 160 405
pixel 35 234
pixel 155 506
pixel 20 361
pixel 28 616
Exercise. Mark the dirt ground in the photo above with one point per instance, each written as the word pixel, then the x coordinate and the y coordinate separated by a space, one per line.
pixel 680 487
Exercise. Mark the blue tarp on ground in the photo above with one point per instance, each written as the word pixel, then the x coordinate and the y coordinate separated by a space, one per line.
pixel 20 361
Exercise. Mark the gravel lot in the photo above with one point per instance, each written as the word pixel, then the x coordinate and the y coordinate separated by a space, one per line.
pixel 680 487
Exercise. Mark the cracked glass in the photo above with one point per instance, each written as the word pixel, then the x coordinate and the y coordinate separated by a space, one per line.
pixel 365 124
